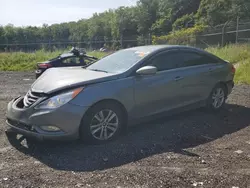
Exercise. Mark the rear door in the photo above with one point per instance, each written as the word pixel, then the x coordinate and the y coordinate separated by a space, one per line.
pixel 159 92
pixel 196 76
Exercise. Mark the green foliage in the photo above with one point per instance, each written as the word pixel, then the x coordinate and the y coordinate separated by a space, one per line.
pixel 239 55
pixel 161 26
pixel 147 15
pixel 20 61
pixel 98 54
pixel 183 36
pixel 242 72
pixel 184 22
pixel 214 12
pixel 232 53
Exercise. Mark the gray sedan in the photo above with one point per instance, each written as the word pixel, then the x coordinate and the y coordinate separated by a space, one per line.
pixel 98 102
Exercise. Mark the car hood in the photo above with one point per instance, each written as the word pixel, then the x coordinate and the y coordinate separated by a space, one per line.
pixel 56 79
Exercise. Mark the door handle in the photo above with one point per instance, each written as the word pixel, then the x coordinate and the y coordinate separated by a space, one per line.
pixel 178 78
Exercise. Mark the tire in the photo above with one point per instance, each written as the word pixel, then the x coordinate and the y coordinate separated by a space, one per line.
pixel 105 117
pixel 217 98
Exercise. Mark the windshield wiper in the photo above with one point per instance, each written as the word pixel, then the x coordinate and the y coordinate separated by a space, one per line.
pixel 97 70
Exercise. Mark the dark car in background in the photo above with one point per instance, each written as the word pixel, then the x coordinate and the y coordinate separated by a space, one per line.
pixel 75 57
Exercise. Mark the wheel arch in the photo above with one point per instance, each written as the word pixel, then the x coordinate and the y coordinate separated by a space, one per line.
pixel 113 101
pixel 116 102
pixel 101 102
pixel 224 84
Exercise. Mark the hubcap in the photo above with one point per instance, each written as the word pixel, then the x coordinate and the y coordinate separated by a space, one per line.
pixel 104 124
pixel 218 98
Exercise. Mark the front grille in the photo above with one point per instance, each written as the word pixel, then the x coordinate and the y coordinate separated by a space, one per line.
pixel 20 125
pixel 30 98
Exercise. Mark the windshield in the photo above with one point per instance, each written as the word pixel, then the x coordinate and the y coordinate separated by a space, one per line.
pixel 118 62
pixel 66 55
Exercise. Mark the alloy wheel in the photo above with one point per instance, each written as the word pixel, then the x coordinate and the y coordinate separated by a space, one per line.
pixel 218 98
pixel 104 124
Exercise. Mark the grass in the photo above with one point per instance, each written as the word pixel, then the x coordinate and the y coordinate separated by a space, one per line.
pixel 97 54
pixel 243 72
pixel 239 55
pixel 232 53
pixel 19 61
pixel 236 54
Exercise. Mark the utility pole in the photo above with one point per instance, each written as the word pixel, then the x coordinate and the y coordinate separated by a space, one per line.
pixel 223 37
pixel 223 34
pixel 121 39
pixel 149 39
pixel 237 30
pixel 50 38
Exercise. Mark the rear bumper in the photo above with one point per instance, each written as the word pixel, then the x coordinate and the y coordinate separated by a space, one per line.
pixel 230 86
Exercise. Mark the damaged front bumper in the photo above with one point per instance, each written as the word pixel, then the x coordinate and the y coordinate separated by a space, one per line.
pixel 29 121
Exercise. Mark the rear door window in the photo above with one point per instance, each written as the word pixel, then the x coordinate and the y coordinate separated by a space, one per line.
pixel 190 59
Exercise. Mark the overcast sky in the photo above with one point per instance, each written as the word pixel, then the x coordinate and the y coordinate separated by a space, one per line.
pixel 37 12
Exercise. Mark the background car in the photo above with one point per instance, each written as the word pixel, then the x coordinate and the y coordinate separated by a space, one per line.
pixel 75 57
pixel 98 102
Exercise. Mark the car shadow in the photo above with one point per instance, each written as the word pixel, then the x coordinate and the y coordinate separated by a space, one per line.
pixel 171 134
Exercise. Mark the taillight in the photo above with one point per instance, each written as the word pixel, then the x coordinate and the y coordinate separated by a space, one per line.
pixel 233 70
pixel 44 65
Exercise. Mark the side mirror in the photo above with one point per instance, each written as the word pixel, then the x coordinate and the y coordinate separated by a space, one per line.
pixel 147 70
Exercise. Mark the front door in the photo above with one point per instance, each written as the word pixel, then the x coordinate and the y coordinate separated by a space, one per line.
pixel 160 92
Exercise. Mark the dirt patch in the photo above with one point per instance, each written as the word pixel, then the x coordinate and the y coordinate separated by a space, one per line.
pixel 192 149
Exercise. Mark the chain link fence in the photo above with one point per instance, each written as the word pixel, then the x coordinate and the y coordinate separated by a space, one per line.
pixel 232 32
pixel 94 44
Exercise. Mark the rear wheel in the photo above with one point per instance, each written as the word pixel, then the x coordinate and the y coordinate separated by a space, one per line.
pixel 102 123
pixel 217 98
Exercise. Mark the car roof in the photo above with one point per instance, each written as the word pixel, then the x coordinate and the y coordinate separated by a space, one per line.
pixel 156 48
pixel 151 48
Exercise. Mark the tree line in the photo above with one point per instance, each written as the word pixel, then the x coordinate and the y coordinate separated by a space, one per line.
pixel 125 26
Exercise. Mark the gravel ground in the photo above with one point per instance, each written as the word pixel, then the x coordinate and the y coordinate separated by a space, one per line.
pixel 192 149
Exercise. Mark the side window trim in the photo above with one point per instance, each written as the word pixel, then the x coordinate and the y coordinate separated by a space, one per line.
pixel 158 54
pixel 200 54
pixel 147 61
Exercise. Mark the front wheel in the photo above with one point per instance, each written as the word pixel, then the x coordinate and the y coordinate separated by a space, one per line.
pixel 217 98
pixel 102 123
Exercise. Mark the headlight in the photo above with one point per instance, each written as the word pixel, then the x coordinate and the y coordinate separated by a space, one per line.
pixel 59 100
